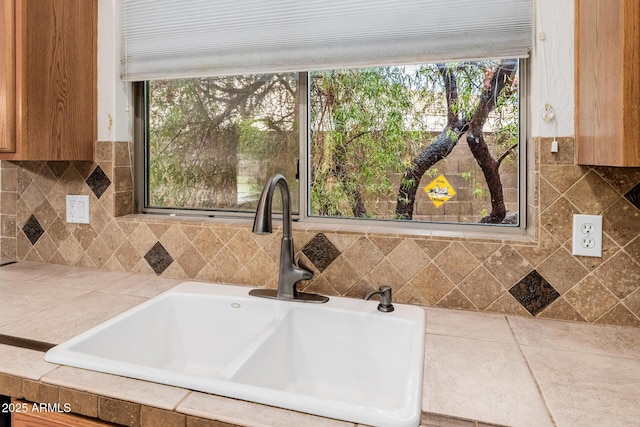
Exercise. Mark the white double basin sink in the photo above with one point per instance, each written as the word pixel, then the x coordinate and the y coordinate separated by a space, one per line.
pixel 343 359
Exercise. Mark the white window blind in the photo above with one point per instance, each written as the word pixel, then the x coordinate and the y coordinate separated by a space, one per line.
pixel 194 38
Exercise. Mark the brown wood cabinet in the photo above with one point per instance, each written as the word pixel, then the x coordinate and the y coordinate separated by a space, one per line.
pixel 48 84
pixel 7 77
pixel 53 420
pixel 607 74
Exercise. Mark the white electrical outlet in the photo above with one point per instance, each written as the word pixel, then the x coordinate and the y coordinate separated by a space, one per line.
pixel 78 209
pixel 587 235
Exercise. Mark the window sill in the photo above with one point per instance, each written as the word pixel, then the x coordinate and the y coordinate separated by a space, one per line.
pixel 440 232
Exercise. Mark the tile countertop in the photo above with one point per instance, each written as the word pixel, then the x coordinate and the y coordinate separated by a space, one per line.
pixel 489 368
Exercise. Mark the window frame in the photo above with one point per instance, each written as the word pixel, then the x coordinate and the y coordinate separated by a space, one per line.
pixel 525 167
pixel 141 153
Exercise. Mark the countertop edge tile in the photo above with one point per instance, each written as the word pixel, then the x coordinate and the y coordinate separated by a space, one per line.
pixel 108 385
pixel 250 414
pixel 25 363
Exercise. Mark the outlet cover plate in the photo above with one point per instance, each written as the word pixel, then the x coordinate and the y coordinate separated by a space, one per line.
pixel 587 235
pixel 78 209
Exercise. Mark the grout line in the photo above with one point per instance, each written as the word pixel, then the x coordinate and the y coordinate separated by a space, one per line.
pixel 27 343
pixel 189 393
pixel 533 377
pixel 46 374
pixel 591 353
pixel 469 338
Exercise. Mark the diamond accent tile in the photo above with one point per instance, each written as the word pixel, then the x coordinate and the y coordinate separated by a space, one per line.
pixel 320 251
pixel 32 229
pixel 158 258
pixel 633 196
pixel 98 181
pixel 534 292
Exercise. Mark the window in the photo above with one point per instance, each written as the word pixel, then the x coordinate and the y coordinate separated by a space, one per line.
pixel 211 143
pixel 437 143
pixel 318 91
pixel 433 142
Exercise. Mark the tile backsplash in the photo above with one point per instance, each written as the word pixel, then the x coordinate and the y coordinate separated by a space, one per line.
pixel 540 279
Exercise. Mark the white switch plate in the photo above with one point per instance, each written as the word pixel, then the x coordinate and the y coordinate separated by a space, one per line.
pixel 78 209
pixel 587 235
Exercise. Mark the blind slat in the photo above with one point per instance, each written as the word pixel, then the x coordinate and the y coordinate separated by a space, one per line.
pixel 194 38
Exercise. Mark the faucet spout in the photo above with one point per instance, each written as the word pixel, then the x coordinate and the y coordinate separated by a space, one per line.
pixel 263 223
pixel 290 271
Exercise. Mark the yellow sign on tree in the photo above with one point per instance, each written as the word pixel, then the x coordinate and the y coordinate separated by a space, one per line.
pixel 439 191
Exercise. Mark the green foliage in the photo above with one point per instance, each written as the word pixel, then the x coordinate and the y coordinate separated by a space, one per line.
pixel 432 173
pixel 407 183
pixel 478 192
pixel 358 136
pixel 202 130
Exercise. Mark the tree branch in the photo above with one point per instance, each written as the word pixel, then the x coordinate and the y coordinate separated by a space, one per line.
pixel 506 153
pixel 502 77
pixel 440 148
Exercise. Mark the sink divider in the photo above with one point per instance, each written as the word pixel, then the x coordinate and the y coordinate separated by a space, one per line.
pixel 238 362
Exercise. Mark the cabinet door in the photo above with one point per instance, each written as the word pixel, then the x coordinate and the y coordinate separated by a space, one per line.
pixel 56 88
pixel 7 77
pixel 607 87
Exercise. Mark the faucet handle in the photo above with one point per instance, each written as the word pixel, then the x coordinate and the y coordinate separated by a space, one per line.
pixel 303 265
pixel 385 298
